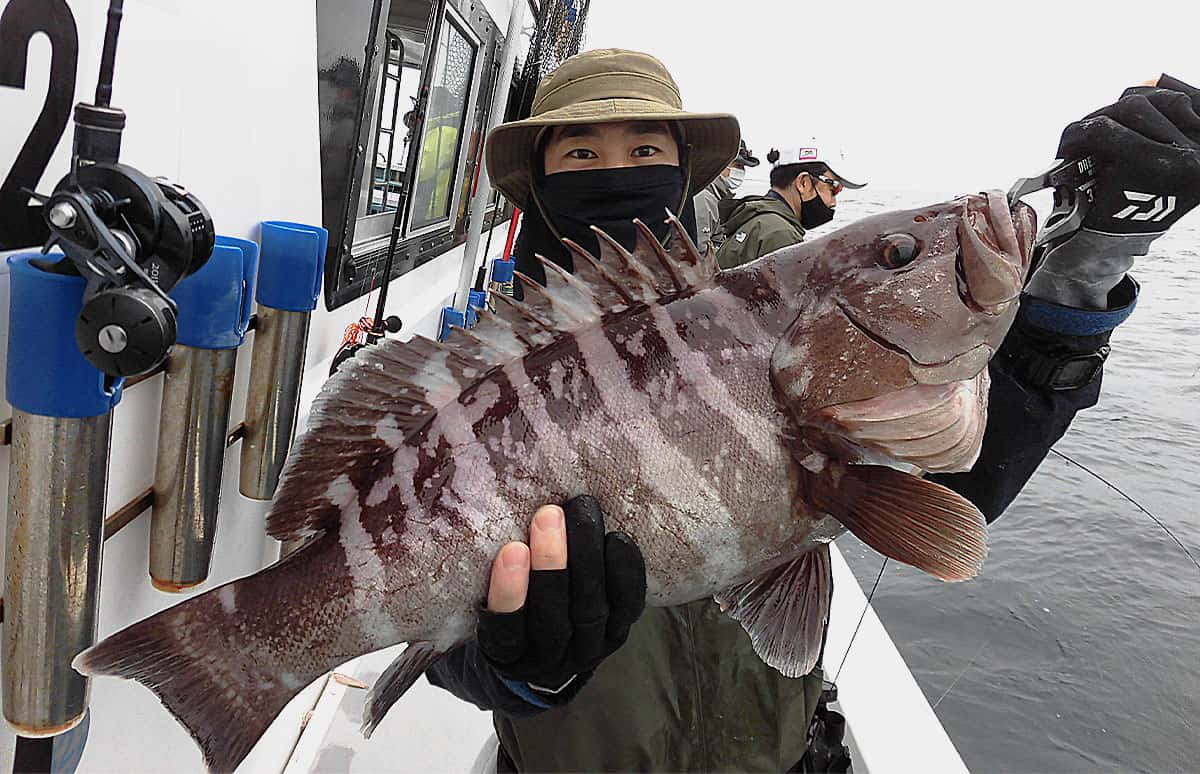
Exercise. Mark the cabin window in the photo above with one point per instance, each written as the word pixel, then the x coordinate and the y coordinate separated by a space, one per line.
pixel 445 123
pixel 404 89
pixel 384 181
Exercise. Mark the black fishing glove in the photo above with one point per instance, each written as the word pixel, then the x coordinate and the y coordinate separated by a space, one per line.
pixel 572 619
pixel 1146 148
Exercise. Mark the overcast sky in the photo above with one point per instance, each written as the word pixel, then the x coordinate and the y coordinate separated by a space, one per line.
pixel 926 95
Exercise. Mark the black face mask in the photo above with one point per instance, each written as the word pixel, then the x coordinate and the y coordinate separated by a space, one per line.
pixel 607 198
pixel 610 199
pixel 815 212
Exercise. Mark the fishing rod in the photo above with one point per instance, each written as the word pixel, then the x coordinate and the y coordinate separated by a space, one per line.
pixel 381 325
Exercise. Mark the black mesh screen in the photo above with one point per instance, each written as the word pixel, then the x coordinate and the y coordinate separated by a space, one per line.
pixel 558 34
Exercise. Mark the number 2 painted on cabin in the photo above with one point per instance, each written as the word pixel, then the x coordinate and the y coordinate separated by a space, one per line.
pixel 21 223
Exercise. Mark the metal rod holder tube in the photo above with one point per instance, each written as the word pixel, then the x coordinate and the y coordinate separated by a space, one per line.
pixel 289 282
pixel 276 371
pixel 214 314
pixel 197 393
pixel 56 491
pixel 57 473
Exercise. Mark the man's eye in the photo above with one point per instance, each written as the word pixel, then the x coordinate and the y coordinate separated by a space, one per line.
pixel 644 151
pixel 582 154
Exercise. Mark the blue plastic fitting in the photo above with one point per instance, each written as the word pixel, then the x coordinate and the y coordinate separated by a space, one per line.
pixel 502 270
pixel 291 265
pixel 452 317
pixel 476 299
pixel 47 374
pixel 215 302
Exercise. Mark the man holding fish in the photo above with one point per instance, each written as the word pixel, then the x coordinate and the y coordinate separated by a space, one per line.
pixel 687 691
pixel 730 424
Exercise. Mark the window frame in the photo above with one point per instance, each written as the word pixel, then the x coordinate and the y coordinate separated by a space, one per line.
pixel 372 159
pixel 378 225
pixel 355 257
pixel 450 15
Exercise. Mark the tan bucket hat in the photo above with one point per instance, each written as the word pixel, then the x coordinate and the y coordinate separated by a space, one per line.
pixel 605 86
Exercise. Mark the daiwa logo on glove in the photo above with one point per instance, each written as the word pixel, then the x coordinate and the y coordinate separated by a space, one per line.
pixel 1162 207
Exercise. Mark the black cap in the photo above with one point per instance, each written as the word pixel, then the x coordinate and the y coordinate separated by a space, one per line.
pixel 745 157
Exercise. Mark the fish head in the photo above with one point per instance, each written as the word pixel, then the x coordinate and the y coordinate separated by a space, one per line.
pixel 899 314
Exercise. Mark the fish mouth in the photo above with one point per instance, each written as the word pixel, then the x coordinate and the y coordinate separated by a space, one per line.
pixel 992 260
pixel 994 245
pixel 864 330
pixel 952 369
pixel 935 427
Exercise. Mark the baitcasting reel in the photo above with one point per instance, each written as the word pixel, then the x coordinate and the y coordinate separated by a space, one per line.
pixel 132 238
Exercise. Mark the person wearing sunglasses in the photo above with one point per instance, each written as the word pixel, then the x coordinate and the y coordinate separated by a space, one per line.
pixel 804 190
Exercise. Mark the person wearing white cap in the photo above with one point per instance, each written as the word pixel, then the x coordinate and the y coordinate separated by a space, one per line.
pixel 805 183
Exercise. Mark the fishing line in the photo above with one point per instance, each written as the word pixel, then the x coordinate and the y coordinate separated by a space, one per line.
pixel 1136 504
pixel 866 607
pixel 970 664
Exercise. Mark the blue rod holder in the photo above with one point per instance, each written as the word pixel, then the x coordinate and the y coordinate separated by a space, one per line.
pixel 451 317
pixel 215 303
pixel 47 374
pixel 291 266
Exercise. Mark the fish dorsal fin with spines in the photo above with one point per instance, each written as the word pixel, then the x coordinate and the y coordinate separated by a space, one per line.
pixel 631 273
pixel 392 390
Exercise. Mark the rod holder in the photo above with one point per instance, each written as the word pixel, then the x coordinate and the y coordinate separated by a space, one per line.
pixel 214 313
pixel 502 281
pixel 56 496
pixel 293 257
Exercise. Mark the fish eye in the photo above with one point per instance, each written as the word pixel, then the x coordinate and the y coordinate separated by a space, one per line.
pixel 898 250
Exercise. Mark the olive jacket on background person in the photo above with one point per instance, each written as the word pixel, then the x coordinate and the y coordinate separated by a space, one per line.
pixel 708 217
pixel 758 225
pixel 687 692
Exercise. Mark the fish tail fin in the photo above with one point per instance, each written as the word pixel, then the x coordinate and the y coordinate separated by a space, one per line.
pixel 907 518
pixel 224 695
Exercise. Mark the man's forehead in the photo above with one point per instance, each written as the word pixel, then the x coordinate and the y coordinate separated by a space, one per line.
pixel 822 170
pixel 624 127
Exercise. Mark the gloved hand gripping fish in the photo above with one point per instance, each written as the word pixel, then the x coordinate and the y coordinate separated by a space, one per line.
pixel 733 423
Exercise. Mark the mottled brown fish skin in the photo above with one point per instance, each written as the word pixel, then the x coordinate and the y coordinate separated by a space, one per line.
pixel 694 414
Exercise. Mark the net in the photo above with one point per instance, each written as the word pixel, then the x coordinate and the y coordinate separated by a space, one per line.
pixel 558 33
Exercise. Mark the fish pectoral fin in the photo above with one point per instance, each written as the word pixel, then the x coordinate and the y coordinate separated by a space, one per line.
pixel 785 611
pixel 907 518
pixel 395 681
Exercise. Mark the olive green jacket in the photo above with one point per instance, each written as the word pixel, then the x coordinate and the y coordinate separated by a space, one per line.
pixel 686 692
pixel 708 218
pixel 757 226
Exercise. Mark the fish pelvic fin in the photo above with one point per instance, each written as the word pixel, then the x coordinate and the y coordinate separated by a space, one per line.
pixel 390 392
pixel 904 517
pixel 225 697
pixel 785 611
pixel 395 682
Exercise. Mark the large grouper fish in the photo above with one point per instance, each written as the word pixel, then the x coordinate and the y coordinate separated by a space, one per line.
pixel 732 422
